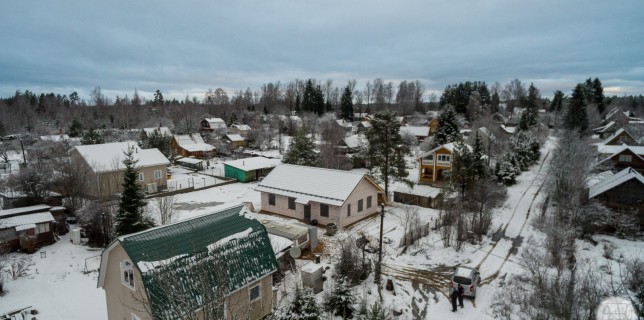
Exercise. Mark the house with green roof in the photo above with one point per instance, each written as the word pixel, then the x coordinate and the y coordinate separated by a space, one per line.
pixel 214 266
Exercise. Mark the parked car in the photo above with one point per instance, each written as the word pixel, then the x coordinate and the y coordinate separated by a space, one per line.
pixel 468 277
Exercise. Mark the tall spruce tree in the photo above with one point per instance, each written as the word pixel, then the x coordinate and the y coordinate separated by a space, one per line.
pixel 598 95
pixel 301 151
pixel 313 100
pixel 130 218
pixel 346 104
pixel 447 129
pixel 557 101
pixel 386 150
pixel 577 117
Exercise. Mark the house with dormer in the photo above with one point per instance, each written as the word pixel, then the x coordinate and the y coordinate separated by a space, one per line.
pixel 434 165
pixel 215 266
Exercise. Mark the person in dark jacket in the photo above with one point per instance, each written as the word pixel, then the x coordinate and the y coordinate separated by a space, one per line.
pixel 454 297
pixel 461 294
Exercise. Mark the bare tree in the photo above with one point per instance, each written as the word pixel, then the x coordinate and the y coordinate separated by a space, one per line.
pixel 167 209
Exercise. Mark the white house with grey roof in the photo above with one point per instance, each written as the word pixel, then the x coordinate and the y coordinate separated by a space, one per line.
pixel 324 195
pixel 102 165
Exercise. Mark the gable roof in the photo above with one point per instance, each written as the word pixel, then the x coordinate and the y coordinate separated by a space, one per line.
pixel 27 219
pixel 253 163
pixel 192 143
pixel 24 210
pixel 616 134
pixel 216 122
pixel 241 127
pixel 605 127
pixel 621 150
pixel 224 236
pixel 234 137
pixel 108 157
pixel 356 141
pixel 307 184
pixel 614 149
pixel 449 147
pixel 614 181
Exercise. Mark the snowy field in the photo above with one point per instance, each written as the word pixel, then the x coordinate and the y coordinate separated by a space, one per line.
pixel 59 288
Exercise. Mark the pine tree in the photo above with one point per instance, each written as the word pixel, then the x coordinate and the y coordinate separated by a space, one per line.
pixel 303 306
pixel 301 151
pixel 158 98
pixel 92 137
pixel 598 95
pixel 233 119
pixel 75 129
pixel 340 301
pixel 129 218
pixel 576 117
pixel 346 104
pixel 495 102
pixel 447 130
pixel 313 100
pixel 386 149
pixel 297 104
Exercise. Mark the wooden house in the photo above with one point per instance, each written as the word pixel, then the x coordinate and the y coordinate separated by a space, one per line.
pixel 434 165
pixel 28 228
pixel 324 195
pixel 606 130
pixel 433 126
pixel 249 169
pixel 621 191
pixel 235 141
pixel 626 157
pixel 191 145
pixel 420 133
pixel 217 266
pixel 243 130
pixel 213 125
pixel 620 137
pixel 103 166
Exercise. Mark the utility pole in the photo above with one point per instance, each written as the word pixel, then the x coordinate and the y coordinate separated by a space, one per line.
pixel 379 266
pixel 24 159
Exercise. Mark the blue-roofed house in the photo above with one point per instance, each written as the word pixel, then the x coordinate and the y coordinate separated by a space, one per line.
pixel 214 266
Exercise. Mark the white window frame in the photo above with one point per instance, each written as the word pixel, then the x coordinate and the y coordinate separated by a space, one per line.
pixel 444 158
pixel 157 174
pixel 625 158
pixel 259 292
pixel 127 266
pixel 141 176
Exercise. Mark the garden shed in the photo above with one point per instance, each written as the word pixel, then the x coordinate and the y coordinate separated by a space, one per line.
pixel 249 169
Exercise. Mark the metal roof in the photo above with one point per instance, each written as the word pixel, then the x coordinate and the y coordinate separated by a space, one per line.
pixel 233 247
pixel 614 181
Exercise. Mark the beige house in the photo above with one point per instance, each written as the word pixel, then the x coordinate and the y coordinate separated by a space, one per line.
pixel 215 266
pixel 324 195
pixel 103 166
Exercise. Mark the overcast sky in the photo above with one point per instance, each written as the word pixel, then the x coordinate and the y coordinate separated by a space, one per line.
pixel 185 47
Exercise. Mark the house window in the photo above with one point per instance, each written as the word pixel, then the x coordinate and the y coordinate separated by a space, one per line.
pixel 157 174
pixel 135 317
pixel 324 210
pixel 271 199
pixel 140 176
pixel 291 203
pixel 42 227
pixel 360 205
pixel 430 157
pixel 369 198
pixel 127 274
pixel 255 293
pixel 443 157
pixel 625 158
pixel 349 210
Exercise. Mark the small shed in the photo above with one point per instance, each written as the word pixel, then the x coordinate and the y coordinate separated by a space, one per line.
pixel 235 140
pixel 191 163
pixel 249 169
pixel 419 195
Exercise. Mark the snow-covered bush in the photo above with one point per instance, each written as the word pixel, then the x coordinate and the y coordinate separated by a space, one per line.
pixel 507 169
pixel 350 265
pixel 302 307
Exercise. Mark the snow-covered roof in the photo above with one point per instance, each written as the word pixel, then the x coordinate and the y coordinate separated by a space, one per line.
pixel 614 149
pixel 253 163
pixel 343 123
pixel 418 190
pixel 19 211
pixel 192 143
pixel 234 137
pixel 355 141
pixel 604 127
pixel 449 146
pixel 109 157
pixel 614 181
pixel 510 130
pixel 164 131
pixel 486 132
pixel 189 160
pixel 307 184
pixel 365 124
pixel 279 244
pixel 55 137
pixel 32 218
pixel 242 127
pixel 415 131
pixel 616 134
pixel 622 149
pixel 598 177
pixel 295 118
pixel 216 122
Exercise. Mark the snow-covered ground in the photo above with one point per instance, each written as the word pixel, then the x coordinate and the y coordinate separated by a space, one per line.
pixel 60 290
